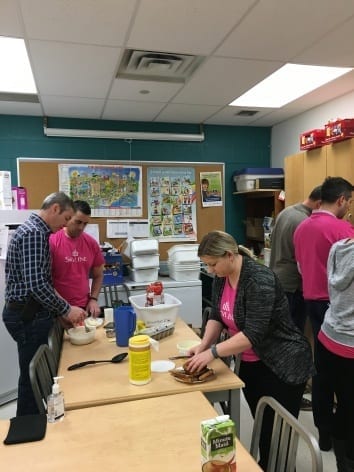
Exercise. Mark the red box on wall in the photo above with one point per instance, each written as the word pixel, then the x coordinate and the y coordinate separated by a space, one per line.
pixel 339 130
pixel 312 139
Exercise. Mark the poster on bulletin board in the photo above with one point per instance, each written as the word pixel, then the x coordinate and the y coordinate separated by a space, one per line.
pixel 172 203
pixel 211 188
pixel 110 190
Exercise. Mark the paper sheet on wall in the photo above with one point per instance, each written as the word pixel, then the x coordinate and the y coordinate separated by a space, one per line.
pixel 94 231
pixel 127 228
pixel 4 239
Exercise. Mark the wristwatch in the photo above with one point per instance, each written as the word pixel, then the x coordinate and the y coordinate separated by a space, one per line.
pixel 214 351
pixel 92 298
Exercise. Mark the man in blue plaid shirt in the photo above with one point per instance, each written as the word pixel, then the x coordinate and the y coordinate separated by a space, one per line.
pixel 31 303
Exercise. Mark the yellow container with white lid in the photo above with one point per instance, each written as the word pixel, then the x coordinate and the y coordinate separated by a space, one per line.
pixel 139 360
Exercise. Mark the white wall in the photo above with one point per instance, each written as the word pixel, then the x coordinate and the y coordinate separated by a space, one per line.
pixel 286 136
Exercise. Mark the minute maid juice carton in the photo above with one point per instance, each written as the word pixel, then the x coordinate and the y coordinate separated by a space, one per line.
pixel 218 444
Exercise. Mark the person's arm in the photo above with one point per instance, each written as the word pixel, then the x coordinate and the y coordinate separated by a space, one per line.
pixel 97 278
pixel 232 346
pixel 36 273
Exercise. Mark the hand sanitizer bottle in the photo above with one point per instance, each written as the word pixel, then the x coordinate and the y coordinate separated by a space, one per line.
pixel 55 403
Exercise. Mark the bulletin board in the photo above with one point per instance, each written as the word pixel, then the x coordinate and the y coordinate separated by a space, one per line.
pixel 40 178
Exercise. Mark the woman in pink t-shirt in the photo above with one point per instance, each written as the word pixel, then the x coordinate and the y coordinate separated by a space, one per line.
pixel 248 300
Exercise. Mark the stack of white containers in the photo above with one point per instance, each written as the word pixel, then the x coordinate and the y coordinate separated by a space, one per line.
pixel 183 262
pixel 145 260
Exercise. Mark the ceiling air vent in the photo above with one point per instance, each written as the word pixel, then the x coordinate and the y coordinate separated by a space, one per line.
pixel 246 113
pixel 157 66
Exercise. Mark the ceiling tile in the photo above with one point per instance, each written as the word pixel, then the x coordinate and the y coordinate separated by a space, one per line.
pixel 10 24
pixel 280 30
pixel 238 75
pixel 179 113
pixel 183 26
pixel 332 50
pixel 74 106
pixel 73 70
pixel 228 116
pixel 130 90
pixel 103 22
pixel 15 108
pixel 131 111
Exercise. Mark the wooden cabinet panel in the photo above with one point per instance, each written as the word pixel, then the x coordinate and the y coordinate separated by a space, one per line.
pixel 306 170
pixel 340 160
pixel 294 178
pixel 340 163
pixel 315 169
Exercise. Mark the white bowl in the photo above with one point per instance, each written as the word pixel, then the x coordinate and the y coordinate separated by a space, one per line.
pixel 80 336
pixel 184 346
pixel 92 322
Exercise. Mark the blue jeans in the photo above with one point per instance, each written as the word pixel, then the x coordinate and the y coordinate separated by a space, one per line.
pixel 28 336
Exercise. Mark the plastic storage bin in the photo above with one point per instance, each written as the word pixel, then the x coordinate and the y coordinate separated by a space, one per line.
pixel 146 261
pixel 251 178
pixel 144 246
pixel 183 253
pixel 151 315
pixel 144 275
pixel 184 272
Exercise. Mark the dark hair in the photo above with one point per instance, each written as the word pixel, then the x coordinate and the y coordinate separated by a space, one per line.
pixel 334 188
pixel 205 182
pixel 84 207
pixel 316 193
pixel 60 198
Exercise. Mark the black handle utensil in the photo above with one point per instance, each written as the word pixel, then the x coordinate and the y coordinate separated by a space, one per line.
pixel 116 359
pixel 179 357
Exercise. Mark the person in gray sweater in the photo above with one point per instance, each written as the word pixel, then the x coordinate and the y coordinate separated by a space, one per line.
pixel 248 300
pixel 282 256
pixel 335 360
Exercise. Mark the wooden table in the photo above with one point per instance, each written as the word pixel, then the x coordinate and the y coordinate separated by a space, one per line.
pixel 101 384
pixel 126 437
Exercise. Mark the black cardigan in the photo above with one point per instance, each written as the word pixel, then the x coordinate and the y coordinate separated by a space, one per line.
pixel 261 312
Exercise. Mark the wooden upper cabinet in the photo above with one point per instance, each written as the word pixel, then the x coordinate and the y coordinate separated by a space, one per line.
pixel 340 163
pixel 340 160
pixel 315 169
pixel 294 178
pixel 306 170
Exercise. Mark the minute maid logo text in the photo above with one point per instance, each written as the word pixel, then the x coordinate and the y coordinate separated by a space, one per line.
pixel 221 442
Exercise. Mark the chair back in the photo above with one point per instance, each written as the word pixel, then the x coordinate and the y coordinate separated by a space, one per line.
pixel 285 438
pixel 55 341
pixel 41 372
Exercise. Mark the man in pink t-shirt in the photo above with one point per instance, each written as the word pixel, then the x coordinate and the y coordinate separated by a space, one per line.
pixel 313 239
pixel 77 257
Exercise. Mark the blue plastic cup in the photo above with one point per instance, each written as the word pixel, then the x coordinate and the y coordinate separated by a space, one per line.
pixel 124 324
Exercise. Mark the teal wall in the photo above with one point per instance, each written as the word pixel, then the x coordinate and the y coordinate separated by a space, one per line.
pixel 237 147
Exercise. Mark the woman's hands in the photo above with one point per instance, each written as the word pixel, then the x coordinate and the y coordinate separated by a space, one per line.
pixel 200 359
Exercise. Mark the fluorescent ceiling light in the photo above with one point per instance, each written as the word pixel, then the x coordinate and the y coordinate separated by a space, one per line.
pixel 133 135
pixel 287 84
pixel 16 74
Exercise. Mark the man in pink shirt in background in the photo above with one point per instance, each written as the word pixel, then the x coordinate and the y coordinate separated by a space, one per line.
pixel 313 239
pixel 77 257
